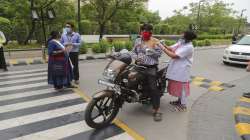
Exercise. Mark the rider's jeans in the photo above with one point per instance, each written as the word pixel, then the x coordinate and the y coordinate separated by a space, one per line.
pixel 151 85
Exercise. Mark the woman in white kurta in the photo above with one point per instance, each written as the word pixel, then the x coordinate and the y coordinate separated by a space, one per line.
pixel 178 72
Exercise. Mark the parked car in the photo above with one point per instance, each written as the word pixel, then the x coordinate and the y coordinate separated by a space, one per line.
pixel 239 52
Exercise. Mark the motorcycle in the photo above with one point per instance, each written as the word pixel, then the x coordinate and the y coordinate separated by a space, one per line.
pixel 124 83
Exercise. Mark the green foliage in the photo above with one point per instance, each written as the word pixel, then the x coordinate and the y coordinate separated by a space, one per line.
pixel 4 21
pixel 101 47
pixel 201 43
pixel 177 23
pixel 170 42
pixel 105 44
pixel 20 22
pixel 96 48
pixel 83 49
pixel 217 18
pixel 162 29
pixel 207 42
pixel 194 43
pixel 104 12
pixel 128 45
pixel 88 27
pixel 203 37
pixel 118 45
pixel 15 45
pixel 133 27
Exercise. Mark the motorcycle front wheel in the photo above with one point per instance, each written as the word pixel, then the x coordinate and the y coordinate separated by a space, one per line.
pixel 101 111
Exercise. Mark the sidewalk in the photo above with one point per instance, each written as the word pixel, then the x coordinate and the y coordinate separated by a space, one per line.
pixel 211 117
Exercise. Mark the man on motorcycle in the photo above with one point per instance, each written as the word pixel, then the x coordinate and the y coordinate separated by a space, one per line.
pixel 146 52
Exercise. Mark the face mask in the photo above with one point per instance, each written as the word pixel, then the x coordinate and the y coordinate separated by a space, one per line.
pixel 182 40
pixel 146 35
pixel 68 30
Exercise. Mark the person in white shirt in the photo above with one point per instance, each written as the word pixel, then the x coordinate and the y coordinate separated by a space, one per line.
pixel 2 59
pixel 179 69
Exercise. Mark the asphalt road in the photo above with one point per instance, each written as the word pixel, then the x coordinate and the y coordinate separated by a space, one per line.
pixel 177 125
pixel 207 63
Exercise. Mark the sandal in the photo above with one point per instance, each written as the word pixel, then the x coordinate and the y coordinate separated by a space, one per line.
pixel 157 116
pixel 181 108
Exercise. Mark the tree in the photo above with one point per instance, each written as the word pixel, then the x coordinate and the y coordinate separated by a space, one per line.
pixel 215 16
pixel 107 9
pixel 22 28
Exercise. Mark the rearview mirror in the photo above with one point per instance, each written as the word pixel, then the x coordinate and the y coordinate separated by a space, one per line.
pixel 234 42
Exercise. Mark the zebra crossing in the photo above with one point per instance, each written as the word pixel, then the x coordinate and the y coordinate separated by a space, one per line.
pixel 30 109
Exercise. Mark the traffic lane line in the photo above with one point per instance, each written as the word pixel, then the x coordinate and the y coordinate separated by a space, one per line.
pixel 117 122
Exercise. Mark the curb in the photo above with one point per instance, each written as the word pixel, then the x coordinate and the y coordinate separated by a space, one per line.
pixel 242 117
pixel 35 61
pixel 211 85
pixel 14 62
pixel 211 47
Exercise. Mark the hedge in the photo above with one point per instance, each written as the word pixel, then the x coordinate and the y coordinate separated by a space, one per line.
pixel 201 43
pixel 203 37
pixel 83 49
pixel 119 45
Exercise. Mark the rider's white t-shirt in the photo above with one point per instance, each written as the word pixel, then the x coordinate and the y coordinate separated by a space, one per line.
pixel 180 69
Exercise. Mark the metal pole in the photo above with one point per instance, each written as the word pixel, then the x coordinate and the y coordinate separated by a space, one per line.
pixel 241 15
pixel 44 32
pixel 79 15
pixel 198 15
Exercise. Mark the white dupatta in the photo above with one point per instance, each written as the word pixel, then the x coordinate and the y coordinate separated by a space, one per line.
pixel 67 52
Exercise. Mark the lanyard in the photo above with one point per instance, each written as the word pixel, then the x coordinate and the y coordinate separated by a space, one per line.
pixel 69 37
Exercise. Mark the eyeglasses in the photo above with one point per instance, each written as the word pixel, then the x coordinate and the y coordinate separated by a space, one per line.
pixel 67 26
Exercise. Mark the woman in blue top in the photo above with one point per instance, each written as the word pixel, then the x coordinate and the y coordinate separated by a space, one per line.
pixel 60 72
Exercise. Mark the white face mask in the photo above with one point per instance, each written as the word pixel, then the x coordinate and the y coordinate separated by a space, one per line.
pixel 182 40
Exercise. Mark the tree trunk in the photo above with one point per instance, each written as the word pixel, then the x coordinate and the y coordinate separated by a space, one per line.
pixel 102 30
pixel 30 33
pixel 33 24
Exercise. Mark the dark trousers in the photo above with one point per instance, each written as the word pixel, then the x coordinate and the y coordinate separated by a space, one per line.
pixel 74 57
pixel 151 87
pixel 2 59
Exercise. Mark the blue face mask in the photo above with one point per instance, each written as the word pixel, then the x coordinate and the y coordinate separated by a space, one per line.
pixel 68 30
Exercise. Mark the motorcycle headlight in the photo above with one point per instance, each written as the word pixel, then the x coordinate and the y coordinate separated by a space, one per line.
pixel 109 74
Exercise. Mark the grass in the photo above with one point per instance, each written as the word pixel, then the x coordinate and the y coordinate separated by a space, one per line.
pixel 18 46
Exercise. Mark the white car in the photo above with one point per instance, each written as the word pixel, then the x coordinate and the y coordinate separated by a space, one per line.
pixel 238 53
